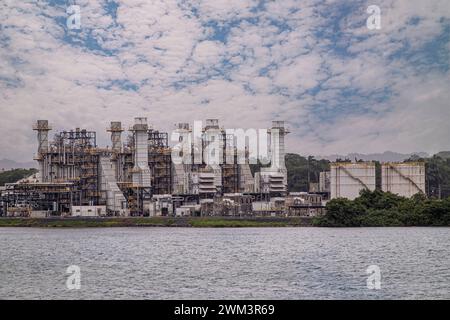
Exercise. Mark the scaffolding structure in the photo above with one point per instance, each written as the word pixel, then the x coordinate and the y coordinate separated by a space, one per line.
pixel 160 162
pixel 55 198
pixel 128 177
pixel 74 157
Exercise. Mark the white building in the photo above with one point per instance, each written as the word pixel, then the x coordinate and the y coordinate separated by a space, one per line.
pixel 274 178
pixel 88 211
pixel 324 181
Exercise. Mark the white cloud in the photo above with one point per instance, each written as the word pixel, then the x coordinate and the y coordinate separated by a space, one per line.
pixel 166 53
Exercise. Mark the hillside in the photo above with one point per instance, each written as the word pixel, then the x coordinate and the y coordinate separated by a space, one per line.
pixel 387 156
pixel 443 154
pixel 7 164
pixel 14 175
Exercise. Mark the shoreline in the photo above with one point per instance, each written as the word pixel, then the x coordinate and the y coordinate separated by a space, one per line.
pixel 171 222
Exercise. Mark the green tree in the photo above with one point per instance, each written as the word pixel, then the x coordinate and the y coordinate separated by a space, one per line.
pixel 15 175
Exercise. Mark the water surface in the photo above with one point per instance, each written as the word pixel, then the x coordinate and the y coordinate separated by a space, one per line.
pixel 242 263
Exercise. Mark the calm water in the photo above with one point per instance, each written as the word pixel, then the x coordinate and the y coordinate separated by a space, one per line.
pixel 265 263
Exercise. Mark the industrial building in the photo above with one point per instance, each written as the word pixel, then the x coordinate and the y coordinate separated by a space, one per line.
pixel 274 178
pixel 347 179
pixel 403 179
pixel 139 176
pixel 204 174
pixel 324 182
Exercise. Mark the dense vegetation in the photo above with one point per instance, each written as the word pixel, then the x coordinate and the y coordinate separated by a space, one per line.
pixel 377 208
pixel 302 171
pixel 298 168
pixel 14 175
pixel 438 175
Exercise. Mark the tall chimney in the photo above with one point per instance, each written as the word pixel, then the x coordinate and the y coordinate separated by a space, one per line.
pixel 116 138
pixel 141 170
pixel 42 129
pixel 277 134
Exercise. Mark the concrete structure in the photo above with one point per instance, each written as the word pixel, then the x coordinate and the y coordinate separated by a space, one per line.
pixel 88 211
pixel 75 172
pixel 141 171
pixel 274 207
pixel 304 204
pixel 213 152
pixel 348 179
pixel 111 193
pixel 42 129
pixel 403 179
pixel 180 170
pixel 161 205
pixel 273 180
pixel 324 181
pixel 116 135
pixel 187 210
pixel 313 187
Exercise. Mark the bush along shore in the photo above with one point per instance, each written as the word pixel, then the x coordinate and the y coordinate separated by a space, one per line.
pixel 384 209
pixel 198 222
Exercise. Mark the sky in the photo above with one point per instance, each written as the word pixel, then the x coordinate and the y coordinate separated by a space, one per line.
pixel 340 86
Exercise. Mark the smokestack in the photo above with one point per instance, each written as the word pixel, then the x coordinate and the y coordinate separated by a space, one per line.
pixel 116 135
pixel 42 129
pixel 141 171
pixel 277 134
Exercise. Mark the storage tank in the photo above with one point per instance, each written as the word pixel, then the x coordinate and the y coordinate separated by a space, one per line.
pixel 348 179
pixel 403 179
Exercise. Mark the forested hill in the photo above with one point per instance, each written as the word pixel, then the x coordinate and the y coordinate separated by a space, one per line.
pixel 14 175
pixel 298 168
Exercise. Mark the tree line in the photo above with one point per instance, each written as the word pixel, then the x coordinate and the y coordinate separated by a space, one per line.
pixel 14 175
pixel 382 209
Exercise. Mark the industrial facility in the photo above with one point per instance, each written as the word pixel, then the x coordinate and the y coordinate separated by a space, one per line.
pixel 141 175
pixel 205 173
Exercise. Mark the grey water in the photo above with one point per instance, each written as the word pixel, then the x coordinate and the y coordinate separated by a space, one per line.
pixel 242 263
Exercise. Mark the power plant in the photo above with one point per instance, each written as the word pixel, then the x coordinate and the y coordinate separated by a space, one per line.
pixel 207 172
pixel 142 175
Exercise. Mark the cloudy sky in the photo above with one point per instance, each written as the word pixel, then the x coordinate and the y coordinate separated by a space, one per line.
pixel 313 63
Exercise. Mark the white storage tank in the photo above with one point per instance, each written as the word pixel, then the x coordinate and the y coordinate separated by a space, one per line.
pixel 347 179
pixel 403 179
